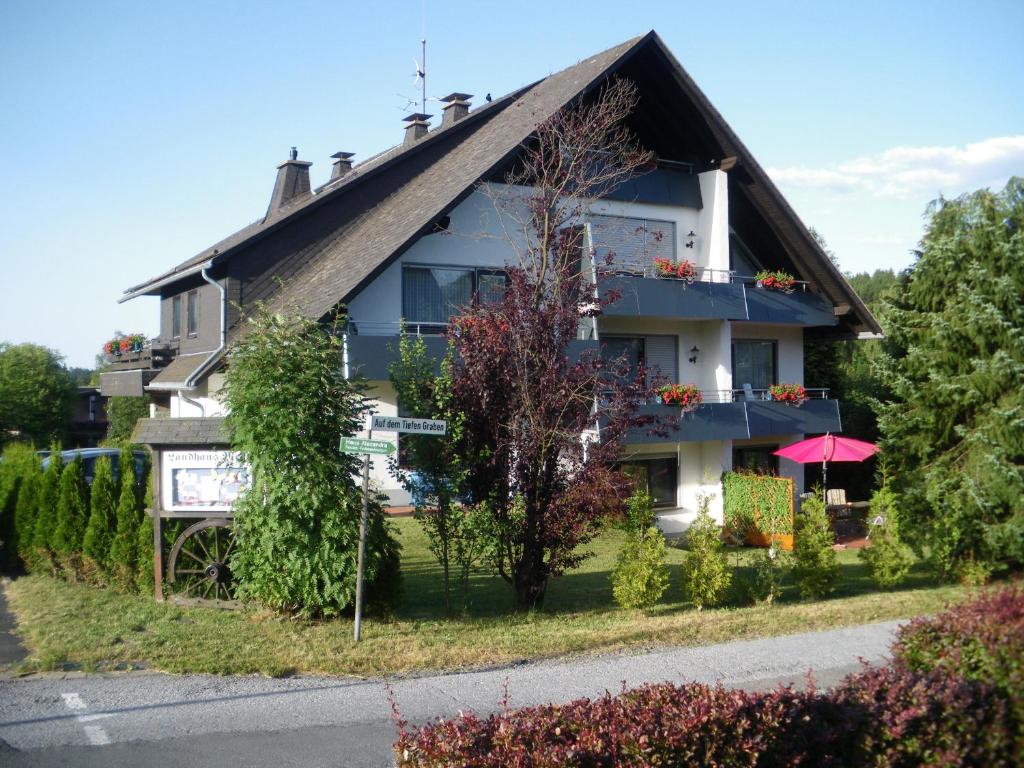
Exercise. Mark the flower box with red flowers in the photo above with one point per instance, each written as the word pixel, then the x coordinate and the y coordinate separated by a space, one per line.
pixel 686 396
pixel 775 281
pixel 680 270
pixel 790 394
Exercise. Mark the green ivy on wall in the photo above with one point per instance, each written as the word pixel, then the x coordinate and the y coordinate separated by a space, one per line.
pixel 757 503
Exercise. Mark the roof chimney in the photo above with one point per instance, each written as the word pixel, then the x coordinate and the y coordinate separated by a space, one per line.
pixel 417 127
pixel 456 107
pixel 342 164
pixel 292 181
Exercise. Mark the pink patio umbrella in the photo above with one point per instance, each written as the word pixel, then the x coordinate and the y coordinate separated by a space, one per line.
pixel 825 449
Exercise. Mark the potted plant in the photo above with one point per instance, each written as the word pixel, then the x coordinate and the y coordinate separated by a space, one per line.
pixel 686 396
pixel 112 348
pixel 790 394
pixel 775 280
pixel 136 341
pixel 680 270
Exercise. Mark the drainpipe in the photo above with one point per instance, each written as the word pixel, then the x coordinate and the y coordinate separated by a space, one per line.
pixel 190 382
pixel 190 401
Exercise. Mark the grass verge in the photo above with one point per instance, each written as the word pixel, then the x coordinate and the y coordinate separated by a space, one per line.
pixel 66 625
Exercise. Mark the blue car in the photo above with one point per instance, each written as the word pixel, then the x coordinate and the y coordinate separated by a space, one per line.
pixel 89 456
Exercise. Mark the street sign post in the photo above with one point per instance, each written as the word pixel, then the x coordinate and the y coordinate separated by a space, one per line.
pixel 413 425
pixel 368 446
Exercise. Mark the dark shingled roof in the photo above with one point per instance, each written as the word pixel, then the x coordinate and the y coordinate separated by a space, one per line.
pixel 340 267
pixel 188 431
pixel 178 371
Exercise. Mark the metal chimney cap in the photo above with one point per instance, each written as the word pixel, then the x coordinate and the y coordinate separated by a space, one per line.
pixel 416 117
pixel 343 155
pixel 457 97
pixel 294 154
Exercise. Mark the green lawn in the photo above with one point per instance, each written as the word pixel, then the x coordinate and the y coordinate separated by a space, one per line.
pixel 81 627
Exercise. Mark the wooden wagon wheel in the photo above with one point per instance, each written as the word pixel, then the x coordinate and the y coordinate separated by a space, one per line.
pixel 198 565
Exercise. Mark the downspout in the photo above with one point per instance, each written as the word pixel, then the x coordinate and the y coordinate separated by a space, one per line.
pixel 199 372
pixel 190 401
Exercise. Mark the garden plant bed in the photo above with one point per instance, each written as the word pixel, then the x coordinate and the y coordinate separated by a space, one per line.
pixel 78 627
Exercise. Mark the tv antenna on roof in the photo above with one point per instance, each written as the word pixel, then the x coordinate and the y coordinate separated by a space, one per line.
pixel 420 75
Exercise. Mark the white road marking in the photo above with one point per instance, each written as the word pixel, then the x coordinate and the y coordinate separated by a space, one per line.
pixel 97 736
pixel 73 701
pixel 95 733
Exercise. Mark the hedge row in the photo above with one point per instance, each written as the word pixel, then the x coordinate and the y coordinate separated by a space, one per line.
pixel 919 711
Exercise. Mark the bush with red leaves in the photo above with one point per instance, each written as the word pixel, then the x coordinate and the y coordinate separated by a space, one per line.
pixel 919 711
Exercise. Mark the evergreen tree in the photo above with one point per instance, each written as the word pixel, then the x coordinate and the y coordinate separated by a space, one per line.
pixel 954 356
pixel 27 509
pixel 706 574
pixel 888 559
pixel 815 568
pixel 640 576
pixel 46 512
pixel 20 464
pixel 144 537
pixel 72 513
pixel 102 520
pixel 122 560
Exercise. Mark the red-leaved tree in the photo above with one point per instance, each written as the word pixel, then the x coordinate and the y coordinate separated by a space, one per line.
pixel 544 426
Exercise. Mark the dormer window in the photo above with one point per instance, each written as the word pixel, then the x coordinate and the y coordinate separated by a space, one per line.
pixel 193 313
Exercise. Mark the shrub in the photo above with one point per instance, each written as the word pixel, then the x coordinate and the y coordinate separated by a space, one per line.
pixel 27 509
pixel 706 573
pixel 881 717
pixel 640 577
pixel 770 565
pixel 757 503
pixel 888 559
pixel 18 489
pixel 815 568
pixel 46 513
pixel 297 527
pixel 102 518
pixel 123 557
pixel 72 512
pixel 980 640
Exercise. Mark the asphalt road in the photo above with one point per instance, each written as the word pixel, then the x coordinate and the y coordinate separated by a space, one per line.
pixel 161 720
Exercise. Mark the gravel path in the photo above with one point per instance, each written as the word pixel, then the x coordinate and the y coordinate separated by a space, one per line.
pixel 196 720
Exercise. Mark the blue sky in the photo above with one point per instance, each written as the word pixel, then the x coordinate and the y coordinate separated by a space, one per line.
pixel 135 134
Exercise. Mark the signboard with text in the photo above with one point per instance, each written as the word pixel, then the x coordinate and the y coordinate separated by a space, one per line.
pixel 362 445
pixel 202 481
pixel 406 424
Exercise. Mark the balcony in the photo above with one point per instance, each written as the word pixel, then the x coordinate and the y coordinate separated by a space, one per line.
pixel 730 415
pixel 373 346
pixel 713 295
pixel 129 372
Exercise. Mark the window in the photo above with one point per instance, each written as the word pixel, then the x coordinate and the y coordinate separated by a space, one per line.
pixel 753 363
pixel 656 353
pixel 431 295
pixel 193 312
pixel 632 241
pixel 656 475
pixel 760 460
pixel 176 317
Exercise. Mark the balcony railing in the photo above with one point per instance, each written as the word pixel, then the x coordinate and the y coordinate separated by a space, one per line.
pixel 152 355
pixel 703 274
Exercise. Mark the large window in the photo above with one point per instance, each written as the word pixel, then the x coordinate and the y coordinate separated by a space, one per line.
pixel 753 363
pixel 176 317
pixel 431 295
pixel 656 475
pixel 193 312
pixel 760 460
pixel 632 241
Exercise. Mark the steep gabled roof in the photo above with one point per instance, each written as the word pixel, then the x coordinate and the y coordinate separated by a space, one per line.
pixel 364 246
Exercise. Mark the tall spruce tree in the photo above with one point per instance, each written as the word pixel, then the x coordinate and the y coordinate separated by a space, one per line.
pixel 46 512
pixel 72 510
pixel 122 560
pixel 954 357
pixel 27 509
pixel 102 520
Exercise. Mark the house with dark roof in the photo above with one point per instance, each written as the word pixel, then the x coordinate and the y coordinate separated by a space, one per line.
pixel 404 236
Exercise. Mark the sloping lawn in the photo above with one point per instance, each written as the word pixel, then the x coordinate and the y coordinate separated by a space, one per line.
pixel 74 626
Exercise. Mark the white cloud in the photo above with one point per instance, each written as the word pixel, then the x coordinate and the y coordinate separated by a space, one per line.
pixel 906 172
